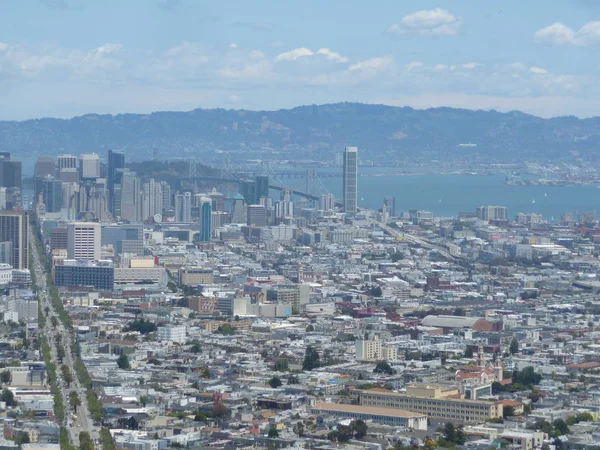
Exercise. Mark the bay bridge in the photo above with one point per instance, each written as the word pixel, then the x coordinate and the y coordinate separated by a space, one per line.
pixel 226 174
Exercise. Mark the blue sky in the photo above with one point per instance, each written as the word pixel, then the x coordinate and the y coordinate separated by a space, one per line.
pixel 69 57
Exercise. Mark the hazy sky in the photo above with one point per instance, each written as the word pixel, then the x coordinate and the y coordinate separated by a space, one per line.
pixel 69 57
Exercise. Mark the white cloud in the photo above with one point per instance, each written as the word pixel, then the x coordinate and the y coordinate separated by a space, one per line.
pixel 433 22
pixel 233 46
pixel 471 66
pixel 234 98
pixel 332 56
pixel 294 54
pixel 560 34
pixel 537 70
pixel 440 67
pixel 414 65
pixel 373 64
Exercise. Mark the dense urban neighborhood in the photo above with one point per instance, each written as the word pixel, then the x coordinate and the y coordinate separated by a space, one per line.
pixel 139 315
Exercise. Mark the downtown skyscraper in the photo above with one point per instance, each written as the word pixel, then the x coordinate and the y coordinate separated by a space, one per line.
pixel 350 180
pixel 116 165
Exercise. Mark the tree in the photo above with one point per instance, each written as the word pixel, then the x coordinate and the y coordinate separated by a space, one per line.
pixel 383 367
pixel 560 427
pixel 449 432
pixel 469 352
pixel 311 359
pixel 514 346
pixel 6 377
pixel 142 326
pixel 123 362
pixel 281 365
pixel 299 429
pixel 293 379
pixel 54 321
pixel 509 411
pixel 85 441
pixel 360 428
pixel 273 433
pixel 275 382
pixel 8 397
pixel 206 373
pixel 310 328
pixel 144 400
pixel 195 348
pixel 74 400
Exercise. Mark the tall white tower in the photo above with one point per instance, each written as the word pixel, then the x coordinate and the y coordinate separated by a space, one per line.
pixel 350 180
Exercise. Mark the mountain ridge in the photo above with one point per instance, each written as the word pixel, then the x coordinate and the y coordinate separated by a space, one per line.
pixel 310 131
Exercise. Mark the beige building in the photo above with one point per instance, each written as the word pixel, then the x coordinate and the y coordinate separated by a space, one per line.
pixel 374 350
pixel 194 276
pixel 435 401
pixel 386 416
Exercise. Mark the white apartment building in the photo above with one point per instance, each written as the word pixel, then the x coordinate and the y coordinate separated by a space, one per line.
pixel 84 241
pixel 172 334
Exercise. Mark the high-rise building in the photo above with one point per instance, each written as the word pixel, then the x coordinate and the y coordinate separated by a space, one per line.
pixel 89 165
pixel 66 162
pixel 44 166
pixel 183 207
pixel 205 219
pixel 167 198
pixel 13 228
pixel 257 216
pixel 2 198
pixel 238 212
pixel 116 164
pixel 492 213
pixel 248 191
pixel 153 199
pixel 10 171
pixel 52 193
pixel 350 180
pixel 218 200
pixel 284 208
pixel 262 187
pixel 327 202
pixel 84 240
pixel 130 208
pixel 6 253
pixel 390 205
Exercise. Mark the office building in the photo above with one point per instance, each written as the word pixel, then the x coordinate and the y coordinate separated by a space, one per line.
pixel 489 213
pixel 2 198
pixel 256 215
pixel 205 219
pixel 153 199
pixel 89 166
pixel 44 166
pixel 84 241
pixel 238 213
pixel 248 191
pixel 220 218
pixel 14 226
pixel 167 198
pixel 66 162
pixel 52 193
pixel 262 187
pixel 183 207
pixel 116 165
pixel 10 171
pixel 327 202
pixel 6 253
pixel 350 180
pixel 97 274
pixel 438 402
pixel 390 205
pixel 124 238
pixel 218 200
pixel 296 295
pixel 130 207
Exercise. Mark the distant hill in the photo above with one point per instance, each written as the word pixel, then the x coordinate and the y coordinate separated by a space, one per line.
pixel 312 132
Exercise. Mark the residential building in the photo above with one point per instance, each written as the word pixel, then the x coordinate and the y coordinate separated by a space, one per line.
pixel 176 334
pixel 183 207
pixel 84 241
pixel 97 274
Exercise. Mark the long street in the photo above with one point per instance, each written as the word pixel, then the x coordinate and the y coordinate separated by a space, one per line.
pixel 81 420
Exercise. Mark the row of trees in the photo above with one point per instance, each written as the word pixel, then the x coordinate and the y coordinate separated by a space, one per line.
pixel 357 429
